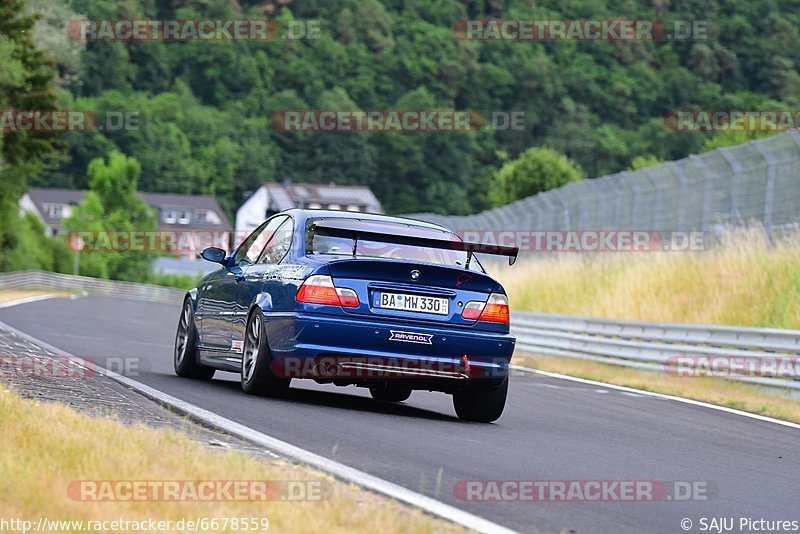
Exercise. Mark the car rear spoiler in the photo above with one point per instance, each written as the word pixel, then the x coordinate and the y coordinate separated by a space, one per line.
pixel 338 229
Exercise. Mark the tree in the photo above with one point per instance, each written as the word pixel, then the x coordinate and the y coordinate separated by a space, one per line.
pixel 205 107
pixel 733 138
pixel 535 170
pixel 113 207
pixel 643 161
pixel 49 34
pixel 26 83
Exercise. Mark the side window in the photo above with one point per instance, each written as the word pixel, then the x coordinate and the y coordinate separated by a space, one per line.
pixel 250 249
pixel 280 243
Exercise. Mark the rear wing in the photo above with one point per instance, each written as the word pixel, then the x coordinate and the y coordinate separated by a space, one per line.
pixel 341 229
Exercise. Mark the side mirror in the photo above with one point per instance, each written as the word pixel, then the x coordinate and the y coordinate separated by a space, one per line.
pixel 213 254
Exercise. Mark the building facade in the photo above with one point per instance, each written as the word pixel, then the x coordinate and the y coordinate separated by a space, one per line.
pixel 192 221
pixel 273 197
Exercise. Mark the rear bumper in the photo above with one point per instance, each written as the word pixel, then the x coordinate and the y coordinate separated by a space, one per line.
pixel 369 350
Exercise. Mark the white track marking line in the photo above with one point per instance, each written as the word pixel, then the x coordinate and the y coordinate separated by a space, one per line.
pixel 657 396
pixel 338 470
pixel 26 300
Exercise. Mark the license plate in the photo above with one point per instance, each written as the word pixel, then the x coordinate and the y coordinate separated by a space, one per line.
pixel 412 303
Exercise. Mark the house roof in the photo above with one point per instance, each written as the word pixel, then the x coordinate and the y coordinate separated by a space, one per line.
pixel 292 195
pixel 41 196
pixel 159 201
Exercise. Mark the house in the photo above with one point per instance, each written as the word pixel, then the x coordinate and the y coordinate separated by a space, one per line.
pixel 196 220
pixel 273 197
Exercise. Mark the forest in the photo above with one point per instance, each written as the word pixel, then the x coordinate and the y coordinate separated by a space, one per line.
pixel 203 109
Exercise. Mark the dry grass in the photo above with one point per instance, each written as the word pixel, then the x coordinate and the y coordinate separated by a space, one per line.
pixel 43 447
pixel 745 282
pixel 745 397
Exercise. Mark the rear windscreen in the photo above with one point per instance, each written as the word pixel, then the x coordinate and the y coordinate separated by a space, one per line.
pixel 343 246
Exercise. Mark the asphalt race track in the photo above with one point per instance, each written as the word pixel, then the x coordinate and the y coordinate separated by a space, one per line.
pixel 551 430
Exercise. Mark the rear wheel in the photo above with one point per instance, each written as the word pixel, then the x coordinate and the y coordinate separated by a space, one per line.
pixel 257 376
pixel 482 405
pixel 390 393
pixel 185 358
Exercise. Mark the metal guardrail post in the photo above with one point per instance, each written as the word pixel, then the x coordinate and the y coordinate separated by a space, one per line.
pixel 708 191
pixel 551 210
pixel 613 184
pixel 636 208
pixel 770 184
pixel 736 167
pixel 682 200
pixel 659 191
pixel 564 209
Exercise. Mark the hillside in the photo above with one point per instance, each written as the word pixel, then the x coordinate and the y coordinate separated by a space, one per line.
pixel 205 107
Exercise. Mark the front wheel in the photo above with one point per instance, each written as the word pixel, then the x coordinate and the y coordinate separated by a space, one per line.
pixel 185 358
pixel 482 405
pixel 257 376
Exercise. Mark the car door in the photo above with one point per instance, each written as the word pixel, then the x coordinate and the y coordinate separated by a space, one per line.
pixel 209 308
pixel 220 293
pixel 225 296
pixel 260 276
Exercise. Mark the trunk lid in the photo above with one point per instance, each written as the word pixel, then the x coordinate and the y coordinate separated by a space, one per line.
pixel 411 291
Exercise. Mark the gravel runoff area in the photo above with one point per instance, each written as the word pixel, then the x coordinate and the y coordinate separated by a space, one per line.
pixel 36 373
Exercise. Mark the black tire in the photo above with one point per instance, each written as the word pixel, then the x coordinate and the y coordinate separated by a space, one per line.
pixel 256 375
pixel 185 357
pixel 482 405
pixel 390 393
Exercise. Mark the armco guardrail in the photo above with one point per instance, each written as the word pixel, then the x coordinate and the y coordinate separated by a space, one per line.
pixel 656 346
pixel 651 346
pixel 68 282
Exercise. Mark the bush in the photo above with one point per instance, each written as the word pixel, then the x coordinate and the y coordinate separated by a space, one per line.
pixel 534 171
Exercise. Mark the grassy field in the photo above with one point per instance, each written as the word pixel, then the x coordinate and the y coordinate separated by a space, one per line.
pixel 743 282
pixel 45 447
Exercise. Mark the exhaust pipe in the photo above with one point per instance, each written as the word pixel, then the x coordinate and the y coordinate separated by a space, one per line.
pixel 327 369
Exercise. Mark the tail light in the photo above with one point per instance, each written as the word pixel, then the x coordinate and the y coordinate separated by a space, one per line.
pixel 319 289
pixel 494 310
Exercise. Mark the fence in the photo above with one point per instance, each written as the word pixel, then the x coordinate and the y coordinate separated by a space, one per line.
pixel 758 181
pixel 658 346
pixel 68 282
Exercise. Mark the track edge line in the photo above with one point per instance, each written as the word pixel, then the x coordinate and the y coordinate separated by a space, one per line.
pixel 332 467
pixel 654 394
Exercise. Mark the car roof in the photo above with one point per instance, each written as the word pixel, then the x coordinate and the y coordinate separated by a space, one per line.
pixel 377 217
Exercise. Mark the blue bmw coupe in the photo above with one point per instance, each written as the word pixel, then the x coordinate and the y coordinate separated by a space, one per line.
pixel 386 303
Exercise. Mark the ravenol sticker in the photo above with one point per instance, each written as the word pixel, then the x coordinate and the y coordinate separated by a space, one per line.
pixel 411 337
